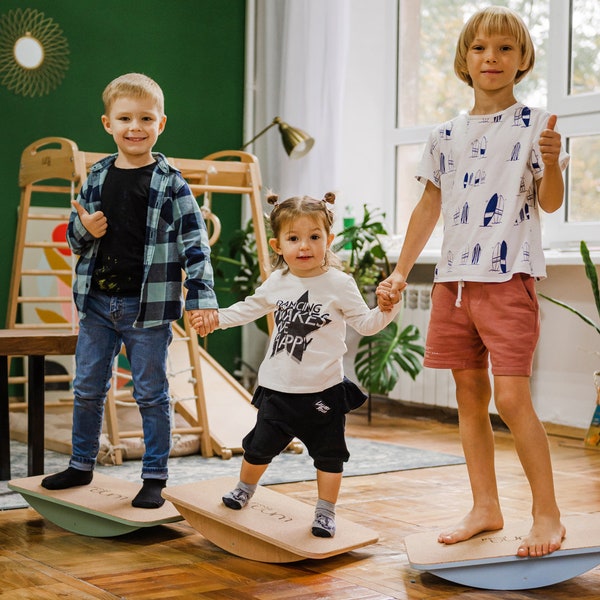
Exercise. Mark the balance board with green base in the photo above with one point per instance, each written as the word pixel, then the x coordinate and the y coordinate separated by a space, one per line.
pixel 100 509
pixel 489 560
pixel 272 527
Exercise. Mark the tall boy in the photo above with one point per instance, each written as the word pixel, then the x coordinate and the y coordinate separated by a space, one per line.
pixel 489 172
pixel 134 226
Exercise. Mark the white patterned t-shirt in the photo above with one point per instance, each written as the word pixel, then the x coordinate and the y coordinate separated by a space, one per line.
pixel 486 167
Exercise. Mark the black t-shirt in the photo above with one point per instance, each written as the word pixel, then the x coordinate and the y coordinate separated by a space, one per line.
pixel 119 266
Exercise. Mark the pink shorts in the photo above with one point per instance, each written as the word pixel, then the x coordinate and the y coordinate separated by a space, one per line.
pixel 497 322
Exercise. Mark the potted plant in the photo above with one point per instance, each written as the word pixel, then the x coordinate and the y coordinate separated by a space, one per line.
pixel 592 437
pixel 365 258
pixel 242 254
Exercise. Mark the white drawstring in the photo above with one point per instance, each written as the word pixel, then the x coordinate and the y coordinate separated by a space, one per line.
pixel 461 285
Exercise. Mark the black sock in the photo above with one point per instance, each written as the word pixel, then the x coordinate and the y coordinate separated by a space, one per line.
pixel 67 479
pixel 149 496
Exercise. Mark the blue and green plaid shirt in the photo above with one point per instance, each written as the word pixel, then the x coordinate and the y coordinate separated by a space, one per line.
pixel 176 239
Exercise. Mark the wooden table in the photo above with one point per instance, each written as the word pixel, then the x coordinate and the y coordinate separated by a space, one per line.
pixel 35 344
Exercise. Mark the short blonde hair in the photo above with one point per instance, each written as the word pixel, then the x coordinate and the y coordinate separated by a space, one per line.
pixel 491 21
pixel 133 85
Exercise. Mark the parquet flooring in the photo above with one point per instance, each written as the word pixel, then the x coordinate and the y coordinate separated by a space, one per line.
pixel 40 561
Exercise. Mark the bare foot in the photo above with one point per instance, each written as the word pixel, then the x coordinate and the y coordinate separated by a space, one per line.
pixel 545 536
pixel 475 522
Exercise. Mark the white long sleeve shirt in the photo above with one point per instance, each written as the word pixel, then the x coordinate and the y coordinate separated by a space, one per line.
pixel 308 343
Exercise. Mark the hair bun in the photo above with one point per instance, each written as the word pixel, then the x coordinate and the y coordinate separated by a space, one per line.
pixel 329 197
pixel 272 198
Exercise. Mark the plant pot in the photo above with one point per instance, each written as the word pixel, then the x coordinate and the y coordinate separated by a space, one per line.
pixel 592 437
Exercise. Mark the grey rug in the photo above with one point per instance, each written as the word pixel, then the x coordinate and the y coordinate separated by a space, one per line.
pixel 367 458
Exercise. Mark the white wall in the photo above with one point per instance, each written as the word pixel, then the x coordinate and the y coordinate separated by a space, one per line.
pixel 568 350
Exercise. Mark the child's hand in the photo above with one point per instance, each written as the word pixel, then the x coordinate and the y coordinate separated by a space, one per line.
pixel 550 145
pixel 388 292
pixel 204 321
pixel 96 223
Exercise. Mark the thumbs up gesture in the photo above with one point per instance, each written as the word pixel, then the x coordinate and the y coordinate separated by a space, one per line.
pixel 550 142
pixel 96 223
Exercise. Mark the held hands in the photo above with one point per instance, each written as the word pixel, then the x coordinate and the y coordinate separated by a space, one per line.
pixel 96 223
pixel 550 145
pixel 204 321
pixel 389 291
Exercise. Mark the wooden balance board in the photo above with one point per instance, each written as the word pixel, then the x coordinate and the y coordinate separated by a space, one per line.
pixel 272 528
pixel 100 509
pixel 489 560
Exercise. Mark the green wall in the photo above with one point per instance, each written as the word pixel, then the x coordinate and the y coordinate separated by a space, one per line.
pixel 193 48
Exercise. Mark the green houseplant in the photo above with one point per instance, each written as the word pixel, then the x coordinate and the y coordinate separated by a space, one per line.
pixel 362 250
pixel 237 269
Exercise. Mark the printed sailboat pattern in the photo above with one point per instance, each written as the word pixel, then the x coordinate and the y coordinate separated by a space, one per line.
pixel 486 166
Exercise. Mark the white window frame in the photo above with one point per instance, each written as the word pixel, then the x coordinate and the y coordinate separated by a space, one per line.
pixel 559 99
pixel 578 115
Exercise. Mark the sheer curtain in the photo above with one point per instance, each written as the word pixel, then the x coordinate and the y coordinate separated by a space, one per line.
pixel 297 55
pixel 300 55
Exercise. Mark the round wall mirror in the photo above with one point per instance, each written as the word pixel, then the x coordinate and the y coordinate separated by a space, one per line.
pixel 34 53
pixel 29 52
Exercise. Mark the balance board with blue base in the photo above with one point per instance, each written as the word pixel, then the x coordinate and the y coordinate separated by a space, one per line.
pixel 100 509
pixel 489 560
pixel 272 527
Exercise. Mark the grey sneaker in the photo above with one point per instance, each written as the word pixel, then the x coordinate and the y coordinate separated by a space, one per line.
pixel 323 526
pixel 236 499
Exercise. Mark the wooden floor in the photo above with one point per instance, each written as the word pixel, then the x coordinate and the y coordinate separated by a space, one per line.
pixel 39 560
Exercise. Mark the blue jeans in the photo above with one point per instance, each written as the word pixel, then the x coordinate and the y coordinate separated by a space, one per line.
pixel 108 324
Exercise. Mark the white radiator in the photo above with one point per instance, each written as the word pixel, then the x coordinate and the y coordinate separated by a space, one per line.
pixel 432 386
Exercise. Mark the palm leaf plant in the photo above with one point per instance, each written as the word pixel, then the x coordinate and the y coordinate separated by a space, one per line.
pixel 381 357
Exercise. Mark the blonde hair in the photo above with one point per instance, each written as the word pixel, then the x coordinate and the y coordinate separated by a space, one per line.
pixel 291 209
pixel 133 85
pixel 490 21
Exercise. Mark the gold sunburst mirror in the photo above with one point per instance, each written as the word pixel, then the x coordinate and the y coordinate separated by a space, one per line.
pixel 34 53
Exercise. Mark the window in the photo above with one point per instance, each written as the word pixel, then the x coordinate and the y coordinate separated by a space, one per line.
pixel 584 75
pixel 429 92
pixel 574 94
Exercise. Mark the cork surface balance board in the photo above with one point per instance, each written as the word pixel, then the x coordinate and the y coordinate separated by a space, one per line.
pixel 489 560
pixel 100 509
pixel 272 528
